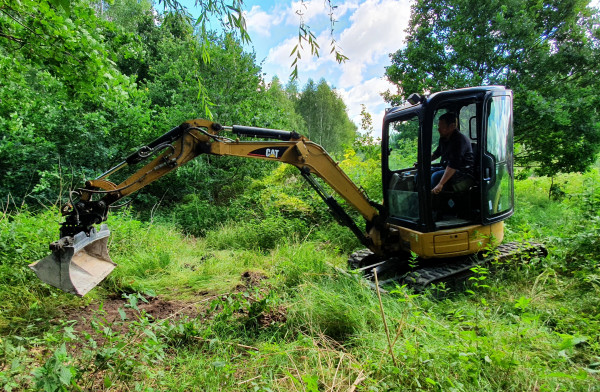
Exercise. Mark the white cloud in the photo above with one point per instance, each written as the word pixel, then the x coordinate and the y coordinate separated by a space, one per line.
pixel 377 29
pixel 260 22
pixel 373 30
pixel 368 93
pixel 342 9
pixel 308 10
pixel 311 10
pixel 352 73
pixel 280 58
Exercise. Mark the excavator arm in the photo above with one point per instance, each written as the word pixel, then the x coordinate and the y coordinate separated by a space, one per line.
pixel 78 263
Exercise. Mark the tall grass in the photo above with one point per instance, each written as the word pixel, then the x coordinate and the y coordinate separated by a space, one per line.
pixel 303 326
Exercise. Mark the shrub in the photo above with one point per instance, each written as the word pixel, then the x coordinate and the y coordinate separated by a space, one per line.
pixel 197 216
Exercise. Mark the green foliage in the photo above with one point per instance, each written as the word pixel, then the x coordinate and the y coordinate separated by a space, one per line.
pixel 585 246
pixel 520 326
pixel 546 52
pixel 149 72
pixel 76 54
pixel 569 221
pixel 285 102
pixel 296 263
pixel 197 216
pixel 330 307
pixel 324 113
pixel 365 172
pixel 264 212
pixel 56 374
pixel 24 238
pixel 303 325
pixel 242 312
pixel 59 125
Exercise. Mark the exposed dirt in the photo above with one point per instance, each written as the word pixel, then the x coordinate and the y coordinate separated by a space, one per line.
pixel 105 320
pixel 251 279
pixel 275 316
pixel 110 311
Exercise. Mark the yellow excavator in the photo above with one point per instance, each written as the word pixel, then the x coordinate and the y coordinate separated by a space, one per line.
pixel 411 236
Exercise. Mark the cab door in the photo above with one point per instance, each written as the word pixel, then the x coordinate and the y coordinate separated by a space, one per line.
pixel 402 142
pixel 497 174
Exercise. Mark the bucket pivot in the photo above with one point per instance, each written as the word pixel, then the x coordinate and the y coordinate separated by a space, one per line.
pixel 77 264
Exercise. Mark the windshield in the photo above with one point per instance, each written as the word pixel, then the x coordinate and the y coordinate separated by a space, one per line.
pixel 499 145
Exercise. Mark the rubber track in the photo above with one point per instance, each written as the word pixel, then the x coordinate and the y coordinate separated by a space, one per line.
pixel 359 258
pixel 422 277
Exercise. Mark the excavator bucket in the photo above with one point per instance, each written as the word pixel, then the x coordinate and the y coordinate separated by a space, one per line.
pixel 77 264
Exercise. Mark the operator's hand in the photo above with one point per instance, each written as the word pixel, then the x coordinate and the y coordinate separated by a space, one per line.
pixel 438 188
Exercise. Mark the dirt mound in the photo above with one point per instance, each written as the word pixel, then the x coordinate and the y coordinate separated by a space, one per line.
pixel 252 278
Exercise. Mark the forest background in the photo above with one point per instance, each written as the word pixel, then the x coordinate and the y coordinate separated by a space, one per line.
pixel 84 83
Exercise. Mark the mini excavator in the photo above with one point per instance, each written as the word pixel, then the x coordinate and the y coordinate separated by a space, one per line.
pixel 412 237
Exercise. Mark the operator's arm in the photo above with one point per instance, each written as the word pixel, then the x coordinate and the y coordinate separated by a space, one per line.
pixel 436 154
pixel 448 173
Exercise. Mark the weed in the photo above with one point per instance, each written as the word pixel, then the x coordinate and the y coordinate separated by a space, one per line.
pixel 57 374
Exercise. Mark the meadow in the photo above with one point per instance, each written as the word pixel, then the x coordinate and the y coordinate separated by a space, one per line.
pixel 256 304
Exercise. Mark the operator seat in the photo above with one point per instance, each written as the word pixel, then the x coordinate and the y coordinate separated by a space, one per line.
pixel 459 200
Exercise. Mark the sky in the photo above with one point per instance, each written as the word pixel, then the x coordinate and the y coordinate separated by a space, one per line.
pixel 365 31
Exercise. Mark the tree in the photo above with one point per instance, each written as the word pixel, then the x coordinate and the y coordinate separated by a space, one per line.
pixel 285 104
pixel 65 109
pixel 324 112
pixel 70 45
pixel 59 120
pixel 365 143
pixel 546 51
pixel 84 84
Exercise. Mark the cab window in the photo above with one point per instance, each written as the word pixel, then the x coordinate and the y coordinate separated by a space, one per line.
pixel 403 153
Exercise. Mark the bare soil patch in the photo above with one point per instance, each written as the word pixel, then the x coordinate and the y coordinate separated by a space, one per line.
pixel 251 279
pixel 111 310
pixel 117 312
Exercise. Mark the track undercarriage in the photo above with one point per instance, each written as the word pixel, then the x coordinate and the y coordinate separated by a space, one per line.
pixel 420 273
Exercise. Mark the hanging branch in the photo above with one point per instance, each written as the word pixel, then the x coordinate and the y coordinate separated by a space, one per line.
pixel 306 36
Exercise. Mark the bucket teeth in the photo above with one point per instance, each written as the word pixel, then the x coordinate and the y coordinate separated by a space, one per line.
pixel 77 266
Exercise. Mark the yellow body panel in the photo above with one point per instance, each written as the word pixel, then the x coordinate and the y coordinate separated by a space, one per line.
pixel 460 241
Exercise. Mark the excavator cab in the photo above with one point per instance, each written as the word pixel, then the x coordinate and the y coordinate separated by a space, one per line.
pixel 484 196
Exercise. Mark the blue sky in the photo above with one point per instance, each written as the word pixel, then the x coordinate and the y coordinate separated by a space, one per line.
pixel 366 31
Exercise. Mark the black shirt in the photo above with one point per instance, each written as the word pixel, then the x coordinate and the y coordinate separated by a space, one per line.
pixel 456 152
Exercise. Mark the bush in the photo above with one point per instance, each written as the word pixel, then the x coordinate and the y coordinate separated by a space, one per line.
pixel 24 238
pixel 197 216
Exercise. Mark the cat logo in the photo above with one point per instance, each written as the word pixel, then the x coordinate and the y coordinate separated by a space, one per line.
pixel 272 153
pixel 269 152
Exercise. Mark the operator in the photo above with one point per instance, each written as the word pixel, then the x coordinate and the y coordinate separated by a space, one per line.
pixel 457 155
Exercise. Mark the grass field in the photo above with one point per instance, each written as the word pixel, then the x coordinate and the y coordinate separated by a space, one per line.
pixel 233 311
